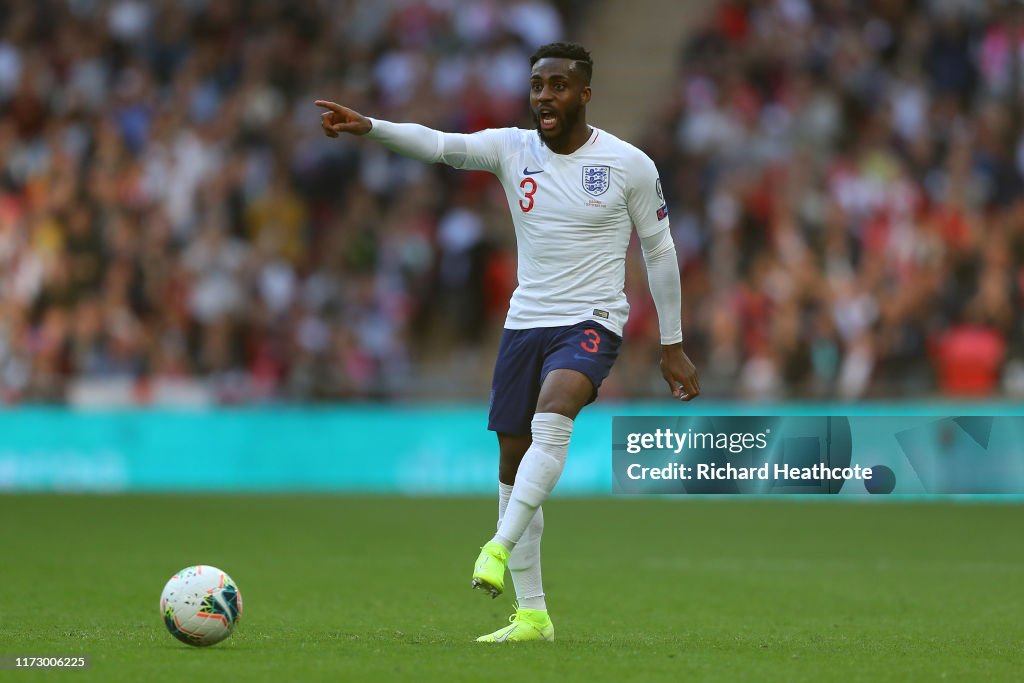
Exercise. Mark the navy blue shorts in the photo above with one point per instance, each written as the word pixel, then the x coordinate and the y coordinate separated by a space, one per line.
pixel 525 358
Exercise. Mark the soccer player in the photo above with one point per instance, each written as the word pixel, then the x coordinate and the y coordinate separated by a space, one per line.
pixel 575 192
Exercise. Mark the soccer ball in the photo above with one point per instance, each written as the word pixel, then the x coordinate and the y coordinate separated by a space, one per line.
pixel 201 605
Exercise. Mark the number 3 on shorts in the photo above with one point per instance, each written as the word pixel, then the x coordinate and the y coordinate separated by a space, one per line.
pixel 593 341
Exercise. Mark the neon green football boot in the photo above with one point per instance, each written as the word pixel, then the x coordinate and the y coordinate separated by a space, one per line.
pixel 526 624
pixel 489 570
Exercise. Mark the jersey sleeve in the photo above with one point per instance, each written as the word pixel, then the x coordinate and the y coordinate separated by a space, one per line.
pixel 663 279
pixel 645 199
pixel 481 151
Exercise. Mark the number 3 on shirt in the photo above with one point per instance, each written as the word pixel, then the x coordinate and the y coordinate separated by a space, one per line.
pixel 528 195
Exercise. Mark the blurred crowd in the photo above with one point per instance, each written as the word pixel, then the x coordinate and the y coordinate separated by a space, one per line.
pixel 845 181
pixel 849 206
pixel 174 226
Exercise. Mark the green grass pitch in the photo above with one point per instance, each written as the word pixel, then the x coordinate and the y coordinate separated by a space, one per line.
pixel 377 589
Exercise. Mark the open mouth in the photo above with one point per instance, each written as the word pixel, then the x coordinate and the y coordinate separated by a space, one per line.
pixel 547 119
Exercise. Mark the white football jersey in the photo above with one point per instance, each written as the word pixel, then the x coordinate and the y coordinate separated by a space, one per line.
pixel 573 214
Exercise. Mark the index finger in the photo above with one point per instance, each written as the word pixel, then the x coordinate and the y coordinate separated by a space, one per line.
pixel 333 106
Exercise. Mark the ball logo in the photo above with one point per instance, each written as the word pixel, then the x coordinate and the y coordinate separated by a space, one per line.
pixel 596 179
pixel 657 188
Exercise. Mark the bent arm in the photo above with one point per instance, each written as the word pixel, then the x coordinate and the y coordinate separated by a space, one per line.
pixel 663 279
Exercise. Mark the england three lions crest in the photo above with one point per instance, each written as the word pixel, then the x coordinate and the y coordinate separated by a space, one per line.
pixel 596 179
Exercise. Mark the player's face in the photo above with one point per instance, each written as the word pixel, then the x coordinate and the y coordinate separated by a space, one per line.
pixel 557 97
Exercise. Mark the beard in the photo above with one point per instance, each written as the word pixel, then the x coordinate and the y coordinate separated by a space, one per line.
pixel 568 121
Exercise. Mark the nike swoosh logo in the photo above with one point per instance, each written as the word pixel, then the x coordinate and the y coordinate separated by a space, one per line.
pixel 588 358
pixel 527 171
pixel 504 636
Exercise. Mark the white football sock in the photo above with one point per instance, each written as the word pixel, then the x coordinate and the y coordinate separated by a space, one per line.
pixel 538 473
pixel 524 562
pixel 504 493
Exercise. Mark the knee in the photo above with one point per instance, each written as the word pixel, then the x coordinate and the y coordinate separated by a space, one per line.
pixel 565 392
pixel 561 405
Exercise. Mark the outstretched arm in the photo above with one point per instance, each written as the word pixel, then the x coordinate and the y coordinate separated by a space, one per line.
pixel 663 279
pixel 479 151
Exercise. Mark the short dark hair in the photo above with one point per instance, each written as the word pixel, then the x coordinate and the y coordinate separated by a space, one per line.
pixel 577 53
